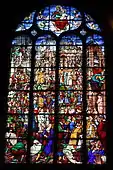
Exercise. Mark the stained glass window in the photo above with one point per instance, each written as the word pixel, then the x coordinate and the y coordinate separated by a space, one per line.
pixel 56 107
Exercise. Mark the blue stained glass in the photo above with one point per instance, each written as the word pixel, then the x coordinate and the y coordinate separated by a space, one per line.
pixel 23 26
pixel 95 39
pixel 70 40
pixel 75 14
pixel 43 14
pixel 29 19
pixel 45 40
pixel 21 40
pixel 90 23
pixel 26 23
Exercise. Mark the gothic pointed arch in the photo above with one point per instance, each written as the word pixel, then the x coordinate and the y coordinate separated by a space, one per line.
pixel 56 109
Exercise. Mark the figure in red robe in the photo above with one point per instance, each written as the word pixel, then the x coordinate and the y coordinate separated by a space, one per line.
pixel 60 19
pixel 101 130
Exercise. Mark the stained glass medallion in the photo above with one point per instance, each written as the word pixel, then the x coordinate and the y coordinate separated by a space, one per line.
pixel 59 19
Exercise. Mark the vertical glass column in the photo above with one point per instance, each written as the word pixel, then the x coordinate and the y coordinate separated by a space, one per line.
pixel 41 149
pixel 18 101
pixel 96 101
pixel 70 115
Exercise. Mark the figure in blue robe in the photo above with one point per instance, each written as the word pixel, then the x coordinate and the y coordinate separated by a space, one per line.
pixel 48 149
pixel 71 126
pixel 92 156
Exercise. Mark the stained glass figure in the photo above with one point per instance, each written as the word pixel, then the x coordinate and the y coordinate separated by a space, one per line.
pixel 59 19
pixel 95 79
pixel 16 134
pixel 19 79
pixel 42 149
pixel 70 102
pixel 96 133
pixel 96 152
pixel 16 149
pixel 44 79
pixel 70 51
pixel 45 51
pixel 68 153
pixel 18 102
pixel 44 101
pixel 46 83
pixel 43 135
pixel 93 124
pixel 18 124
pixel 95 56
pixel 95 51
pixel 43 128
pixel 69 139
pixel 21 56
pixel 67 125
pixel 70 79
pixel 96 102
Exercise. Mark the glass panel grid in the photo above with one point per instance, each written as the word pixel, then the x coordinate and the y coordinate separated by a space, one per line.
pixel 46 93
